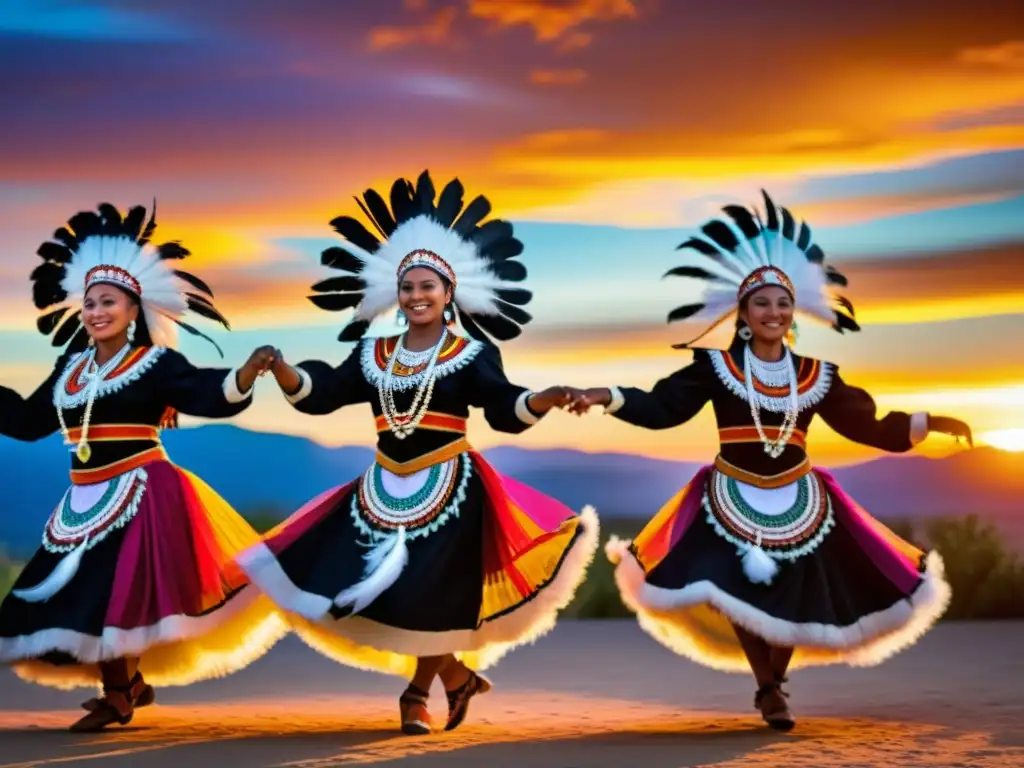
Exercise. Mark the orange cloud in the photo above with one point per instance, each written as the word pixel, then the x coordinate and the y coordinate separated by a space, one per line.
pixel 854 210
pixel 551 19
pixel 574 41
pixel 1009 55
pixel 436 31
pixel 557 76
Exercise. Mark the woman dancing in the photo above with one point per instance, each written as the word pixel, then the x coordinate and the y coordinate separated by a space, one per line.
pixel 136 571
pixel 762 561
pixel 431 563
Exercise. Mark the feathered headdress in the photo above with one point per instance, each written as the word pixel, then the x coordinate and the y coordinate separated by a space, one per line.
pixel 736 256
pixel 478 259
pixel 103 247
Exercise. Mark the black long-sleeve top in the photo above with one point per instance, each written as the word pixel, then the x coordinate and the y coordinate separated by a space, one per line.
pixel 148 381
pixel 717 376
pixel 468 374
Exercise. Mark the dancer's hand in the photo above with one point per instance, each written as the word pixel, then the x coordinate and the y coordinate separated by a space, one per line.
pixel 584 399
pixel 258 363
pixel 948 426
pixel 552 397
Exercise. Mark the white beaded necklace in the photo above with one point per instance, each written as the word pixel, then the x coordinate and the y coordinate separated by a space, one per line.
pixel 773 448
pixel 93 376
pixel 403 424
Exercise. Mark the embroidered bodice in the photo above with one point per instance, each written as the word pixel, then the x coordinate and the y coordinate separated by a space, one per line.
pixel 468 373
pixel 717 376
pixel 137 387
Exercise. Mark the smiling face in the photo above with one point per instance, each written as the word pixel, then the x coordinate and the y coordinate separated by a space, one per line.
pixel 769 313
pixel 107 311
pixel 423 295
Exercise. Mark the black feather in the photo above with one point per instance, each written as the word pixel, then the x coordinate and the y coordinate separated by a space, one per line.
pixel 683 312
pixel 48 322
pixel 196 332
pixel 513 271
pixel 371 217
pixel 79 341
pixel 344 283
pixel 64 235
pixel 474 330
pixel 512 312
pixel 835 277
pixel 147 233
pixel 194 281
pixel 48 272
pixel 354 231
pixel 339 258
pixel 788 224
pixel 133 221
pixel 845 323
pixel 773 220
pixel 475 212
pixel 519 296
pixel 497 326
pixel 700 246
pixel 46 293
pixel 336 302
pixel 172 250
pixel 744 220
pixel 720 233
pixel 508 248
pixel 815 255
pixel 847 305
pixel 380 211
pixel 67 330
pixel 203 308
pixel 111 219
pixel 85 223
pixel 425 194
pixel 490 233
pixel 804 238
pixel 698 272
pixel 354 331
pixel 450 203
pixel 401 201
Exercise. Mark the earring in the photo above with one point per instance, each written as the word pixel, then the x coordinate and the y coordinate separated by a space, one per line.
pixel 131 331
pixel 745 333
pixel 400 318
pixel 794 334
pixel 449 316
pixel 91 342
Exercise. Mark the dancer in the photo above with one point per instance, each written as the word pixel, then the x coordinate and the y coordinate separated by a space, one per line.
pixel 762 561
pixel 431 563
pixel 135 573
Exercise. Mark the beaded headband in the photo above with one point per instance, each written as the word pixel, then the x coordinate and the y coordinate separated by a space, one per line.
pixel 428 259
pixel 122 278
pixel 762 277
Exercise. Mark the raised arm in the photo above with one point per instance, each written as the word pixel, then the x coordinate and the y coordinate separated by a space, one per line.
pixel 34 417
pixel 672 401
pixel 507 406
pixel 315 387
pixel 213 393
pixel 852 413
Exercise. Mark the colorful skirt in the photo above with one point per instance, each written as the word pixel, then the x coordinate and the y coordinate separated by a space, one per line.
pixel 455 558
pixel 140 566
pixel 807 569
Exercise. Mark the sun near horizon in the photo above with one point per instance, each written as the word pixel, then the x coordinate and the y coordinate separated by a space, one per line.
pixel 1011 440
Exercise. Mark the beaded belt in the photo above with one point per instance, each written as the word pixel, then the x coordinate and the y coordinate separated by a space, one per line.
pixel 119 467
pixel 763 481
pixel 437 422
pixel 748 434
pixel 444 453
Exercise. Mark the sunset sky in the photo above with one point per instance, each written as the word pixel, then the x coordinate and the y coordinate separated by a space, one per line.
pixel 602 128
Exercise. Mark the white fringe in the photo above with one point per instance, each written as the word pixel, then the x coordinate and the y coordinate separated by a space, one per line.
pixel 58 578
pixel 663 613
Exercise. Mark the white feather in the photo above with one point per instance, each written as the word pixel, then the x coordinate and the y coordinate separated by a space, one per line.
pixel 384 564
pixel 58 578
pixel 758 567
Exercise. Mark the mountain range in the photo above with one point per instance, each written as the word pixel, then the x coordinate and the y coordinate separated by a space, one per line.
pixel 273 474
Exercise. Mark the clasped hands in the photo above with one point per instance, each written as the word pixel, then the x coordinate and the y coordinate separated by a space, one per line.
pixel 572 399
